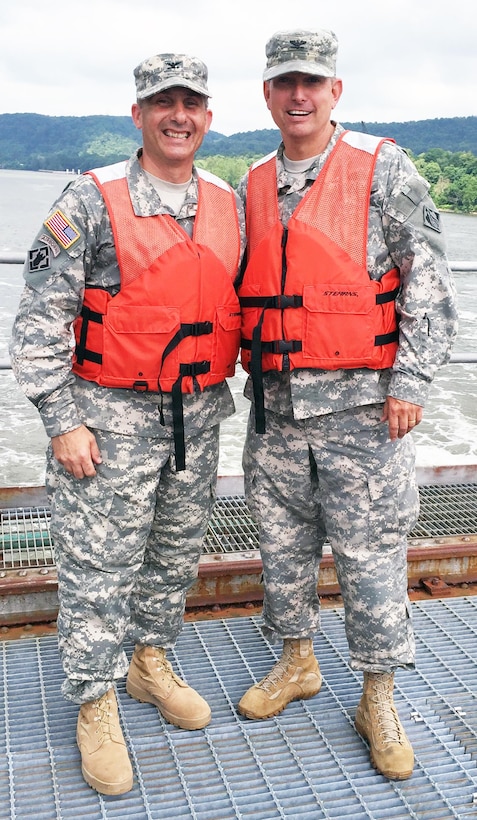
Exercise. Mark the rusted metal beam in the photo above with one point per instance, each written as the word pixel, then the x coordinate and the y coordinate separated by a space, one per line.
pixel 20 497
pixel 226 579
pixel 235 579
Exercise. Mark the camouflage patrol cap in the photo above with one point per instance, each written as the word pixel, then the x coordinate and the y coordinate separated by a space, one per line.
pixel 167 70
pixel 309 52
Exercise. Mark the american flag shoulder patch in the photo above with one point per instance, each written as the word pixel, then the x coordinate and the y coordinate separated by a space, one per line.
pixel 62 229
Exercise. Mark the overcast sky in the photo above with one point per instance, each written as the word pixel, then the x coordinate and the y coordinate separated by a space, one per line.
pixel 401 61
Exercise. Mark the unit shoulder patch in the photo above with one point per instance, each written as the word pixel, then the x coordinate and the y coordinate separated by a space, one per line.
pixel 62 229
pixel 38 259
pixel 431 219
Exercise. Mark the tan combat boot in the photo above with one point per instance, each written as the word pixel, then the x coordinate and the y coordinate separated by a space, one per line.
pixel 105 762
pixel 378 722
pixel 151 679
pixel 295 676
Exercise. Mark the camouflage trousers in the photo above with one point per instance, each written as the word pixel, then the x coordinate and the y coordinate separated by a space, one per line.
pixel 335 477
pixel 127 546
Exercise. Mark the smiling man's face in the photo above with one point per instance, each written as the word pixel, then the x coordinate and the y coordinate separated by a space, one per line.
pixel 301 106
pixel 173 125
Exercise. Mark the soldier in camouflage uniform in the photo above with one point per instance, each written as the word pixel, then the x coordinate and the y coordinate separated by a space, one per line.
pixel 333 458
pixel 127 524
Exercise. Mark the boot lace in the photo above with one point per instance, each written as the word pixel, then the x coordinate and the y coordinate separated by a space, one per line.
pixel 104 716
pixel 277 673
pixel 388 723
pixel 164 670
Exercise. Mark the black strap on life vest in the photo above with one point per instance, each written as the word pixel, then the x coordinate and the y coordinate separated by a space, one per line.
pixel 279 302
pixel 81 351
pixel 382 299
pixel 257 347
pixel 192 369
pixel 387 338
pixel 389 296
pixel 185 369
pixel 255 344
pixel 187 329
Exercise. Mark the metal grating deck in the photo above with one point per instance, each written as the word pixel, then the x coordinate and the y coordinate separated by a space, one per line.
pixel 447 510
pixel 25 540
pixel 306 764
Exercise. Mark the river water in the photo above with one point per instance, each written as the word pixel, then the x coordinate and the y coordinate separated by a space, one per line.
pixel 447 435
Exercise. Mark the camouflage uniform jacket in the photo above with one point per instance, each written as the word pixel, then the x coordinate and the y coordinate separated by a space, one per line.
pixel 404 229
pixel 55 278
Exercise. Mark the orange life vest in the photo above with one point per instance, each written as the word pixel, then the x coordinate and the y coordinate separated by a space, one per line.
pixel 306 296
pixel 174 325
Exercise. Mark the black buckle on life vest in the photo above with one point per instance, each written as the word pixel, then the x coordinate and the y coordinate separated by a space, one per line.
pixel 185 330
pixel 194 368
pixel 292 301
pixel 196 329
pixel 281 346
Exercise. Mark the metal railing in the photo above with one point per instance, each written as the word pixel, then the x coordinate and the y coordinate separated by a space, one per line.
pixel 18 258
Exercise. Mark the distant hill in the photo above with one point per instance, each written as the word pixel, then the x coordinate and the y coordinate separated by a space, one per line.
pixel 35 141
pixel 453 134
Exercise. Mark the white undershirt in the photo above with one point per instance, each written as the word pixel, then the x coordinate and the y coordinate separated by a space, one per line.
pixel 298 166
pixel 172 193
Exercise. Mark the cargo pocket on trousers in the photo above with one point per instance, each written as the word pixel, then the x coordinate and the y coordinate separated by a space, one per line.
pixel 80 510
pixel 383 515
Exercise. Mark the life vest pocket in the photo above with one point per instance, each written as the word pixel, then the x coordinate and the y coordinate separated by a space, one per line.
pixel 141 319
pixel 335 297
pixel 339 327
pixel 134 340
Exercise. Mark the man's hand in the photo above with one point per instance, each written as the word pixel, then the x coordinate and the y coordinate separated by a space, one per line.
pixel 402 416
pixel 77 451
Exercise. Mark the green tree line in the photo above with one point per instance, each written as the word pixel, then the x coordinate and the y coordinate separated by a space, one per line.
pixel 444 150
pixel 452 177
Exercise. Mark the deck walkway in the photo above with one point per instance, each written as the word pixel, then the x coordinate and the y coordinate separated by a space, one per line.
pixel 306 764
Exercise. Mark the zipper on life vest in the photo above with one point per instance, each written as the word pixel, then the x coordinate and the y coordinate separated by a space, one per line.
pixel 286 357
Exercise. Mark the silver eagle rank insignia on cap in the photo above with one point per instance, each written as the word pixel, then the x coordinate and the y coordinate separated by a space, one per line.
pixel 309 52
pixel 167 70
